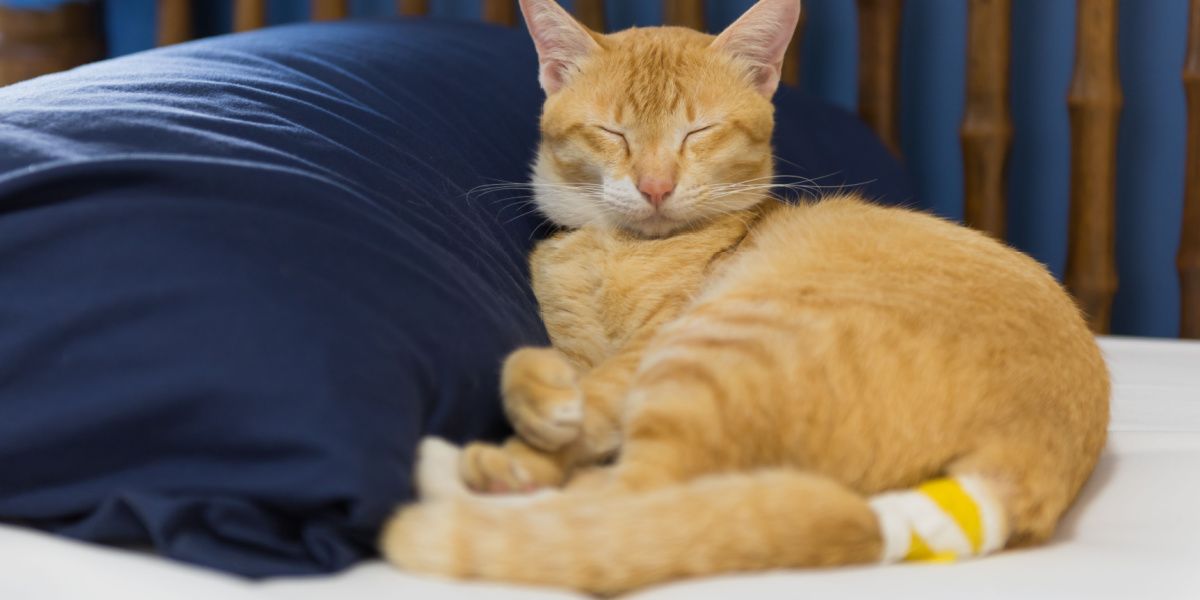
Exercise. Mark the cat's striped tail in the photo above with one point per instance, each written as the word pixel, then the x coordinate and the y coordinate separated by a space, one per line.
pixel 609 543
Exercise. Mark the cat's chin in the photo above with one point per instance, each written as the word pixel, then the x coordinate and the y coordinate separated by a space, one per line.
pixel 655 226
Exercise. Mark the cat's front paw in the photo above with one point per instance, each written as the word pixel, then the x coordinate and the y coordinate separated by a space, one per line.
pixel 542 397
pixel 511 468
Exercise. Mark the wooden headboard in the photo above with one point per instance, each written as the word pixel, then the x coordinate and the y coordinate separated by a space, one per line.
pixel 33 43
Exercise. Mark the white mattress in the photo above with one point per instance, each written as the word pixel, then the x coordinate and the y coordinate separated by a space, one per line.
pixel 1135 533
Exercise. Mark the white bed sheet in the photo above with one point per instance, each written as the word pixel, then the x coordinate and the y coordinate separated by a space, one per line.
pixel 1135 533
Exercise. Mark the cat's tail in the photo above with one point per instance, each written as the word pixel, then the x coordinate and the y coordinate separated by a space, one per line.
pixel 607 543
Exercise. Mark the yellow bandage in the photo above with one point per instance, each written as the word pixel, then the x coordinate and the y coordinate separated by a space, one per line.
pixel 940 521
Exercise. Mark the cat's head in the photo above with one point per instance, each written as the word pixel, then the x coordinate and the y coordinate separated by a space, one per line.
pixel 652 130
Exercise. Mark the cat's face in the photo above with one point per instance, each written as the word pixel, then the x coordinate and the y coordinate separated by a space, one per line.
pixel 653 130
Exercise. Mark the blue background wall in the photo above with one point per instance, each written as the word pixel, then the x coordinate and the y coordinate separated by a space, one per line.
pixel 1151 154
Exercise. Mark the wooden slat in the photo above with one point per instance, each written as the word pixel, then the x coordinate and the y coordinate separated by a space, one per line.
pixel 330 10
pixel 684 13
pixel 412 8
pixel 987 127
pixel 791 60
pixel 879 67
pixel 1095 106
pixel 249 14
pixel 35 42
pixel 1189 244
pixel 174 21
pixel 500 12
pixel 591 14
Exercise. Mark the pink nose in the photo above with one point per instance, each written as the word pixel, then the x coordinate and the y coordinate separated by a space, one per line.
pixel 656 189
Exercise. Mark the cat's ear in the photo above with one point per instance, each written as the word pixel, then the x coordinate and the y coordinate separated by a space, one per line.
pixel 562 42
pixel 760 39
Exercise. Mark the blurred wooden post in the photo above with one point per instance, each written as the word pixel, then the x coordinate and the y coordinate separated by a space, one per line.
pixel 329 10
pixel 412 8
pixel 174 21
pixel 36 42
pixel 1095 107
pixel 684 13
pixel 1189 243
pixel 249 14
pixel 791 60
pixel 591 14
pixel 500 12
pixel 987 127
pixel 879 67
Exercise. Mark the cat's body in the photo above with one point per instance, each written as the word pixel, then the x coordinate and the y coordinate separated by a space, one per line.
pixel 801 348
pixel 759 375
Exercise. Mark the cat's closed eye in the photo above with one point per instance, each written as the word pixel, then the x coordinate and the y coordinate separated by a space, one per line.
pixel 696 132
pixel 615 134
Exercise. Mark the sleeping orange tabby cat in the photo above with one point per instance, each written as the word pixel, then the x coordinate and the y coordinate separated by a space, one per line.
pixel 736 384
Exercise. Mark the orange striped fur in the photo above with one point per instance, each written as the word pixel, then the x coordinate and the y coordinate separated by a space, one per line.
pixel 731 379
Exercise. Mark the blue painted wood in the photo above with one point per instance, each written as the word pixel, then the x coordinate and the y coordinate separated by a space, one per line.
pixel 1150 179
pixel 40 4
pixel 932 97
pixel 1039 183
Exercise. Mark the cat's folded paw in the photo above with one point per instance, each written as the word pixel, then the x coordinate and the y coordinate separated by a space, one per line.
pixel 507 469
pixel 542 397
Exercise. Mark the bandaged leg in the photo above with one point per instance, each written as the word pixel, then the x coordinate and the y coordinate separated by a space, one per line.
pixel 940 521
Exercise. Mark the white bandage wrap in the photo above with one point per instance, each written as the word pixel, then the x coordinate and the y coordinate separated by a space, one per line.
pixel 941 520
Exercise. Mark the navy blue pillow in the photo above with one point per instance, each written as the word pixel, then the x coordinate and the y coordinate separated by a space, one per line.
pixel 240 278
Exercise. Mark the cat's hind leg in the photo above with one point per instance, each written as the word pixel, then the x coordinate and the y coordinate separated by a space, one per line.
pixel 1034 483
pixel 710 396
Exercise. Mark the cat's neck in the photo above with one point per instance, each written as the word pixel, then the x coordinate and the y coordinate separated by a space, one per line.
pixel 719 234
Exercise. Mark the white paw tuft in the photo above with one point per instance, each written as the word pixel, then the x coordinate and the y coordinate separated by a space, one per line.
pixel 437 475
